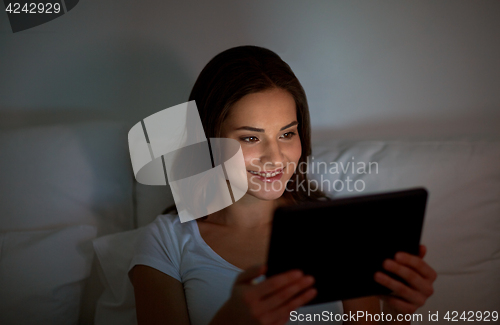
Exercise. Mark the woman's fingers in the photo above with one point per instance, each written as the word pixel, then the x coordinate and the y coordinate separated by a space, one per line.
pixel 284 295
pixel 414 279
pixel 283 312
pixel 401 305
pixel 419 276
pixel 277 291
pixel 417 264
pixel 270 301
pixel 399 289
pixel 277 282
pixel 422 251
pixel 300 300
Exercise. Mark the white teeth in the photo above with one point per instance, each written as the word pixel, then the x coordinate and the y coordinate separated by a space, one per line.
pixel 265 174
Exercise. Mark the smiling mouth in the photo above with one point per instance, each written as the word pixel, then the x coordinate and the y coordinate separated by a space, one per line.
pixel 268 174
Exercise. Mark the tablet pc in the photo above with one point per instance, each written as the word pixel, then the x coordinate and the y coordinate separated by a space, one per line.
pixel 343 242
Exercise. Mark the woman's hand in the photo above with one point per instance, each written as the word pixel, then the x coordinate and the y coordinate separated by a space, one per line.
pixel 267 302
pixel 420 276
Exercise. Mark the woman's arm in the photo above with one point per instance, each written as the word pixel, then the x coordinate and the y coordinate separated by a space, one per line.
pixel 366 304
pixel 159 298
pixel 370 305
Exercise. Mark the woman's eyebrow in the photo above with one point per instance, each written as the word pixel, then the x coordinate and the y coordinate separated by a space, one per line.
pixel 249 128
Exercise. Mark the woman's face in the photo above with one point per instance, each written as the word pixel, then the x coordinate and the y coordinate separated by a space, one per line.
pixel 265 124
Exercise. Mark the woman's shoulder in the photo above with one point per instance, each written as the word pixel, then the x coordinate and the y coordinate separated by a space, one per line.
pixel 170 219
pixel 165 222
pixel 160 245
pixel 165 233
pixel 169 224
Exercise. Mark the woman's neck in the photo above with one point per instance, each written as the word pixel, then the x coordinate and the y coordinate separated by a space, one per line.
pixel 248 212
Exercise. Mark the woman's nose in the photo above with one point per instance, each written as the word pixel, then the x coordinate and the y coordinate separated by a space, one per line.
pixel 272 155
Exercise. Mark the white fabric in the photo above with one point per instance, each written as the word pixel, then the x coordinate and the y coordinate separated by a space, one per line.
pixel 42 275
pixel 65 175
pixel 178 250
pixel 116 305
pixel 58 175
pixel 462 223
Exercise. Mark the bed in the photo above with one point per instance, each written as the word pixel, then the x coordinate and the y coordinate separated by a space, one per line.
pixel 71 211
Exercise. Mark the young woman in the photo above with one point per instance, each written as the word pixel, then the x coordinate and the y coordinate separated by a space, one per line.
pixel 203 271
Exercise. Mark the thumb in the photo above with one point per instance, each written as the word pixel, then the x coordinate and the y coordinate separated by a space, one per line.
pixel 251 273
pixel 423 251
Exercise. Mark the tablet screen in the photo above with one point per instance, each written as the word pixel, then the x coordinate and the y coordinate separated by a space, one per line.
pixel 343 242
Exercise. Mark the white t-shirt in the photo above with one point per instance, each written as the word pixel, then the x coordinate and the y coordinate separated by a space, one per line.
pixel 178 250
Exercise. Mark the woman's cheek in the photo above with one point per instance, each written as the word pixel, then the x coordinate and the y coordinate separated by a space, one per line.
pixel 251 159
pixel 296 152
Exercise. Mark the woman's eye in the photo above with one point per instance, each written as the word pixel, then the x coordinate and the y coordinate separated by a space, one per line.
pixel 249 139
pixel 289 135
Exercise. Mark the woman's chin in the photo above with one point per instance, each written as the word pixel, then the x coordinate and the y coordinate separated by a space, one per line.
pixel 266 195
pixel 265 190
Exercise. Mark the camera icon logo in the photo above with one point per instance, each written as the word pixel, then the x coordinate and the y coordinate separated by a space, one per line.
pixel 205 175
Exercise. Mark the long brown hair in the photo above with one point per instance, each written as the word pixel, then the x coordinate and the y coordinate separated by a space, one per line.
pixel 244 70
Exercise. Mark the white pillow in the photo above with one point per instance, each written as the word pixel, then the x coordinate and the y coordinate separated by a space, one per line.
pixel 117 303
pixel 66 175
pixel 42 275
pixel 462 224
